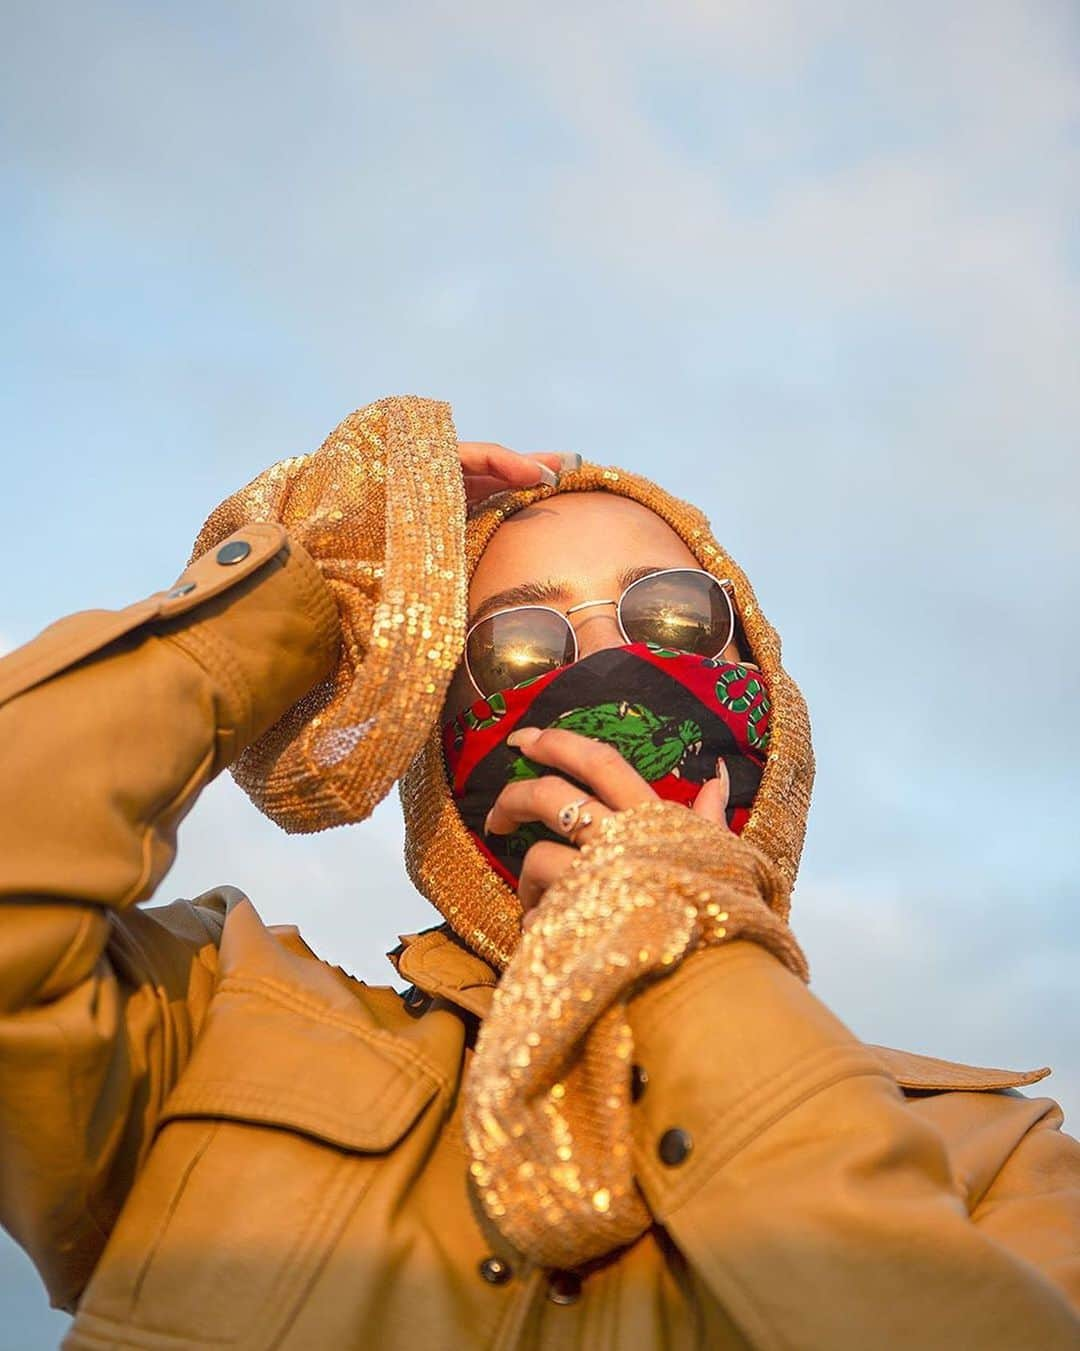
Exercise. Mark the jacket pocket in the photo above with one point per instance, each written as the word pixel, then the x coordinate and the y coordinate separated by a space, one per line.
pixel 281 1121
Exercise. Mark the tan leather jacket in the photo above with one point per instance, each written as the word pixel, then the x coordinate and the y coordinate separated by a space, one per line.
pixel 208 1137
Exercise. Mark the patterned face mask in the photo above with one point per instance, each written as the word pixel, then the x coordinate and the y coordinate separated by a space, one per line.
pixel 672 715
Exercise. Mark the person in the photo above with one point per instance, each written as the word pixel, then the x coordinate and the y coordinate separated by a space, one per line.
pixel 607 1111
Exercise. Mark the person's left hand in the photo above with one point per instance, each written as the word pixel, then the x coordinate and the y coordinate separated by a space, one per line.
pixel 614 786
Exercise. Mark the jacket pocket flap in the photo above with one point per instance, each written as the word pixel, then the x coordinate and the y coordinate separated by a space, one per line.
pixel 268 1056
pixel 929 1074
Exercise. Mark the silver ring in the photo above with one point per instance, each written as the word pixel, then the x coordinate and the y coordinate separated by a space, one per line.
pixel 585 819
pixel 569 817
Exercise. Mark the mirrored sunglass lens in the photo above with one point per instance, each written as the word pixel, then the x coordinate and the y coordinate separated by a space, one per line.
pixel 517 645
pixel 688 611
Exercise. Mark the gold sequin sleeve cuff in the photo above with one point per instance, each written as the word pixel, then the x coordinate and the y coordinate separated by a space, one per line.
pixel 380 507
pixel 547 1110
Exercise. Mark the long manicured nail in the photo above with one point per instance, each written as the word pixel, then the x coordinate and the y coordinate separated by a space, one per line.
pixel 547 476
pixel 569 460
pixel 523 736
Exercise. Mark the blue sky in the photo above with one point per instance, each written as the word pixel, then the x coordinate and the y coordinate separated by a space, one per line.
pixel 814 267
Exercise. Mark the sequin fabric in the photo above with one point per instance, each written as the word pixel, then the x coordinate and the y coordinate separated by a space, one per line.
pixel 547 1102
pixel 380 507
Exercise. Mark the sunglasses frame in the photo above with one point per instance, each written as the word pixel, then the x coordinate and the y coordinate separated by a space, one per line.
pixel 725 584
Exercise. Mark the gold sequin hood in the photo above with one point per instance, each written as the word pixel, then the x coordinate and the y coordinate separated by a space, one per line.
pixel 381 508
pixel 442 859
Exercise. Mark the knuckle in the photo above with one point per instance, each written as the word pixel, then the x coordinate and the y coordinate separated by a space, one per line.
pixel 559 738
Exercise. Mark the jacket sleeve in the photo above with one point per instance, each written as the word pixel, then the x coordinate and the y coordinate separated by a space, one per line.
pixel 812 1202
pixel 111 722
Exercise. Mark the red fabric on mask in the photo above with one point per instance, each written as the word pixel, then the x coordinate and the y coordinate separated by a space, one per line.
pixel 672 715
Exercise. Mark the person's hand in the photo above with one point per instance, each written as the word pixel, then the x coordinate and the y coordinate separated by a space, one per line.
pixel 490 468
pixel 614 785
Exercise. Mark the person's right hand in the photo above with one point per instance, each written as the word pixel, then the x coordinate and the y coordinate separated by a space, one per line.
pixel 490 468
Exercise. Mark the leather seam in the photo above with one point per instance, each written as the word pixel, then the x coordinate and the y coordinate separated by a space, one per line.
pixel 200 644
pixel 186 1101
pixel 316 592
pixel 670 992
pixel 732 1131
pixel 294 1001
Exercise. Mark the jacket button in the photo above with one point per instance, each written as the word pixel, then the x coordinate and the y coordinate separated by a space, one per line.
pixel 415 999
pixel 495 1271
pixel 234 552
pixel 564 1287
pixel 674 1146
pixel 639 1081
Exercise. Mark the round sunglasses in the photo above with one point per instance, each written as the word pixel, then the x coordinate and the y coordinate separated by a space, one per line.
pixel 687 609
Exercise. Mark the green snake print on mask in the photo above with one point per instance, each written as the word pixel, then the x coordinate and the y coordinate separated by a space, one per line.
pixel 655 746
pixel 754 702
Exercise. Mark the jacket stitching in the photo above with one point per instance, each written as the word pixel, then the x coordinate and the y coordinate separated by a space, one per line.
pixel 198 642
pixel 322 607
pixel 732 1131
pixel 295 1001
pixel 166 1219
pixel 185 1100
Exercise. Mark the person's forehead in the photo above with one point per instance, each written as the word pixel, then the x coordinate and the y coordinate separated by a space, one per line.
pixel 586 522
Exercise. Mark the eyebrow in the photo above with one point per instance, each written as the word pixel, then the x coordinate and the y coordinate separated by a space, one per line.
pixel 543 593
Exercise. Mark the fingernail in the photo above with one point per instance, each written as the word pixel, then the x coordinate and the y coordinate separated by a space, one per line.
pixel 569 460
pixel 487 822
pixel 522 736
pixel 547 476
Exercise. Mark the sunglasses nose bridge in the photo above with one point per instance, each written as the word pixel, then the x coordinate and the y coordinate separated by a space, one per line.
pixel 588 604
pixel 598 630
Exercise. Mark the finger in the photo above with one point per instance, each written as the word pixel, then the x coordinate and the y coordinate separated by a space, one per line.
pixel 594 763
pixel 542 866
pixel 541 800
pixel 481 486
pixel 711 802
pixel 512 469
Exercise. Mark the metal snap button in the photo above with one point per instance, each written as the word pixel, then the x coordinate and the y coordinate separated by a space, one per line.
pixel 564 1287
pixel 234 552
pixel 178 591
pixel 674 1146
pixel 495 1271
pixel 639 1081
pixel 415 999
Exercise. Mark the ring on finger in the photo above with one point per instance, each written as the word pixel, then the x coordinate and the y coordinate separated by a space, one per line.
pixel 569 818
pixel 585 819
